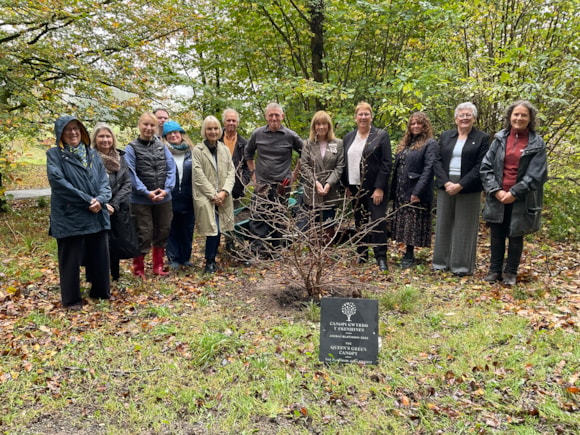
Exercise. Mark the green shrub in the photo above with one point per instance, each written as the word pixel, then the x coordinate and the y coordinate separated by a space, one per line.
pixel 562 210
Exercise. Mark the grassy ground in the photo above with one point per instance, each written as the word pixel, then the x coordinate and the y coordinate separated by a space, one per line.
pixel 26 176
pixel 191 354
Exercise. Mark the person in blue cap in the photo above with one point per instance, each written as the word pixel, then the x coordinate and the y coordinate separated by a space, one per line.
pixel 181 233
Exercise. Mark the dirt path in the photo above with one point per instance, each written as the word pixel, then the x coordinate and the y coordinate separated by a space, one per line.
pixel 27 193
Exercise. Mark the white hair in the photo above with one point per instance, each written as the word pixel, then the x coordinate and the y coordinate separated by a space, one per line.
pixel 467 105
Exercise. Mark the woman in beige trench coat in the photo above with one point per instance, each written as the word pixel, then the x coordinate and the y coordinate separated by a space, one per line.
pixel 213 176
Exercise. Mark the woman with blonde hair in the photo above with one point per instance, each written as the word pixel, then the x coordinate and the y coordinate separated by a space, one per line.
pixel 368 161
pixel 213 175
pixel 152 171
pixel 321 166
pixel 122 237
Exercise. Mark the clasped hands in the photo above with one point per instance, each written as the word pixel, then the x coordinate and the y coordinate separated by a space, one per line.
pixel 95 206
pixel 504 197
pixel 157 195
pixel 323 191
pixel 453 189
pixel 220 198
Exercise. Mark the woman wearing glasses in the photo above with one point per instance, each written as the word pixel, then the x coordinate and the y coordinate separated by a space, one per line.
pixel 79 219
pixel 461 151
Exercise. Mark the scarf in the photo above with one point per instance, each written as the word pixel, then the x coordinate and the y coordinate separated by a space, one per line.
pixel 80 152
pixel 178 149
pixel 112 161
pixel 212 149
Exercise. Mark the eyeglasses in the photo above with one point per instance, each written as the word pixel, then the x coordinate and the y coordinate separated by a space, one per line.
pixel 72 128
pixel 465 115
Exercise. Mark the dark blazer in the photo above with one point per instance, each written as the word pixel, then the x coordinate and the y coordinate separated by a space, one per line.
pixel 418 173
pixel 182 194
pixel 376 161
pixel 123 236
pixel 475 147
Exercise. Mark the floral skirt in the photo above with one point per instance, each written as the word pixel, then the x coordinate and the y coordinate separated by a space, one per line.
pixel 412 225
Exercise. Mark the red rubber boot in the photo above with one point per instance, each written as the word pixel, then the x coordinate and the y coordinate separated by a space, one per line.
pixel 139 266
pixel 158 254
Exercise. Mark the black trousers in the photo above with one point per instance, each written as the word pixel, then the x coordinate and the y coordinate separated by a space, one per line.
pixel 371 219
pixel 268 213
pixel 92 250
pixel 499 233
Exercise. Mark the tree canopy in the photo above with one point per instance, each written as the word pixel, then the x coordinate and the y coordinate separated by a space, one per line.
pixel 106 59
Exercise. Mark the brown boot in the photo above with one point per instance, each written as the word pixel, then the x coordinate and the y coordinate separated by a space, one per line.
pixel 158 254
pixel 139 266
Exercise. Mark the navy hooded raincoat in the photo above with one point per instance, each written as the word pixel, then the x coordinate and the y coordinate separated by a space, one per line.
pixel 74 186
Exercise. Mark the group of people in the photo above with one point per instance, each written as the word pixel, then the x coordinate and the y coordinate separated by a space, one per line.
pixel 109 204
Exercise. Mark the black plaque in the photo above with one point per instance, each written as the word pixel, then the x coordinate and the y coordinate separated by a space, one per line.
pixel 349 330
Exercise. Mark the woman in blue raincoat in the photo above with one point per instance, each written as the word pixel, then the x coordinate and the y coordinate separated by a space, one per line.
pixel 79 219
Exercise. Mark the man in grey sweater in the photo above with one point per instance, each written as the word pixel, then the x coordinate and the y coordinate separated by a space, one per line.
pixel 271 173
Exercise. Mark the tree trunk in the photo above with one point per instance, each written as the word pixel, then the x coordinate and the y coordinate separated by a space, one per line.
pixel 316 8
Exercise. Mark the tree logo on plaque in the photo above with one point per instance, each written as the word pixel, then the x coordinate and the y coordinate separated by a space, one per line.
pixel 348 309
pixel 349 330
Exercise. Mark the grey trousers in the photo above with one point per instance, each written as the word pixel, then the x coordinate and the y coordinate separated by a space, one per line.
pixel 456 232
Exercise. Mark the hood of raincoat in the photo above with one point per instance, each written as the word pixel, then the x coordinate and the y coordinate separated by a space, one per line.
pixel 62 122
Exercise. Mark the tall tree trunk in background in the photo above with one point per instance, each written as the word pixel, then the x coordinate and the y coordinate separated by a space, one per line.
pixel 316 9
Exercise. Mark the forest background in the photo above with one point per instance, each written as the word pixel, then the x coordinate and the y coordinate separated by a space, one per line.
pixel 196 354
pixel 109 61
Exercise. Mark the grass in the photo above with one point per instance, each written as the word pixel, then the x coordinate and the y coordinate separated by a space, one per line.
pixel 210 372
pixel 196 354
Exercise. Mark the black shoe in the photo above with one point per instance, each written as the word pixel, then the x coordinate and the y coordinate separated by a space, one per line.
pixel 492 277
pixel 382 264
pixel 461 274
pixel 74 307
pixel 210 267
pixel 407 262
pixel 509 278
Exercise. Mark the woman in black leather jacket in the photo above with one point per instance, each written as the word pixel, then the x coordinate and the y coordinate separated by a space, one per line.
pixel 412 187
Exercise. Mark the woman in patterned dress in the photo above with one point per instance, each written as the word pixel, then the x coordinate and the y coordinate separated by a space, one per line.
pixel 412 188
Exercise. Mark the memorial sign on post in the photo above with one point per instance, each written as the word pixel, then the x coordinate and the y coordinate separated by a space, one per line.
pixel 349 330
